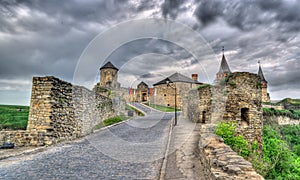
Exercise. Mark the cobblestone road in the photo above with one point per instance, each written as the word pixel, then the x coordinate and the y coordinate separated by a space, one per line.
pixel 131 150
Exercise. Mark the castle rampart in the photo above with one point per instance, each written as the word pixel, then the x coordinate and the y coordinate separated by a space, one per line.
pixel 59 111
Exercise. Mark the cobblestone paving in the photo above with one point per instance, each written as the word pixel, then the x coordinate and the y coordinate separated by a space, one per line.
pixel 132 150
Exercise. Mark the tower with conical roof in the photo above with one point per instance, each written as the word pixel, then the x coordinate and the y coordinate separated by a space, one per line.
pixel 109 76
pixel 224 70
pixel 264 85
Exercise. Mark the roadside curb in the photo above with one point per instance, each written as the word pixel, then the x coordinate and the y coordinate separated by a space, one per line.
pixel 165 159
pixel 137 108
pixel 25 152
pixel 150 107
pixel 43 148
pixel 106 127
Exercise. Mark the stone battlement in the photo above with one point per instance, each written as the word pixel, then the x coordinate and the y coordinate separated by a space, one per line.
pixel 220 161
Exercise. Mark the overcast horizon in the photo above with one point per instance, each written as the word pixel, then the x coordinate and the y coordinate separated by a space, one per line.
pixel 47 38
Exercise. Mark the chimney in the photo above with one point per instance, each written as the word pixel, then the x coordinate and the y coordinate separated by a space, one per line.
pixel 195 77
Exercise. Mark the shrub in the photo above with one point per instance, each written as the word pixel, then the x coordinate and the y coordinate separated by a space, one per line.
pixel 295 114
pixel 236 142
pixel 203 86
pixel 282 161
pixel 277 161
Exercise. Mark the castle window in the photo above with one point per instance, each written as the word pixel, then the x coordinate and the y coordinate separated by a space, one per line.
pixel 168 105
pixel 203 116
pixel 165 94
pixel 245 117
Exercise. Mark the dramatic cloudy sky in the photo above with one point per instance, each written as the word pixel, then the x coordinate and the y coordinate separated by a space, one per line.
pixel 47 37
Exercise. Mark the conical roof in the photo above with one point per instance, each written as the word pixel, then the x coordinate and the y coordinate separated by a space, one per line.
pixel 109 65
pixel 224 68
pixel 177 77
pixel 261 74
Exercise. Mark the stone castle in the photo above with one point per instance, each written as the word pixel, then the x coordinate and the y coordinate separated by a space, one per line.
pixel 62 111
pixel 233 96
pixel 163 93
pixel 58 108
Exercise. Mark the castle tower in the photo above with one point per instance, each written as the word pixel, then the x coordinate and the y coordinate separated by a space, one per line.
pixel 264 85
pixel 224 70
pixel 109 76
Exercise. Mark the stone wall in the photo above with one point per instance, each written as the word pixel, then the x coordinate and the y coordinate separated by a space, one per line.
pixel 236 99
pixel 26 138
pixel 279 120
pixel 60 111
pixel 192 104
pixel 243 105
pixel 165 95
pixel 205 104
pixel 220 161
pixel 280 107
pixel 90 109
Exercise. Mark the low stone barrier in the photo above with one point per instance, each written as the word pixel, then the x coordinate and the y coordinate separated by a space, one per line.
pixel 26 138
pixel 220 161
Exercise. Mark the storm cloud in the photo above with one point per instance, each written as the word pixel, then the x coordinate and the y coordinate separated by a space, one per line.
pixel 39 38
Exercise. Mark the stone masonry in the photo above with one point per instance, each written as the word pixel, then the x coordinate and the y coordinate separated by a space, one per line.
pixel 219 161
pixel 59 111
pixel 237 98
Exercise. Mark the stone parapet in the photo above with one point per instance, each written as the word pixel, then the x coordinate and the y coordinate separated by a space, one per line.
pixel 220 161
pixel 26 138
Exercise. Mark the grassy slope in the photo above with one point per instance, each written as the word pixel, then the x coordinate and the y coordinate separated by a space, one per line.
pixel 162 108
pixel 13 117
pixel 138 112
pixel 111 121
pixel 277 112
pixel 295 102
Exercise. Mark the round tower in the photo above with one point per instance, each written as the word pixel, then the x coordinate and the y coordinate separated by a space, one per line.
pixel 109 76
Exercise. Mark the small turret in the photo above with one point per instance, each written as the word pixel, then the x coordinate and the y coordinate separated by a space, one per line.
pixel 264 85
pixel 224 70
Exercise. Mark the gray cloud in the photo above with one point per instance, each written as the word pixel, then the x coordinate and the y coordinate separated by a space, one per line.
pixel 40 38
pixel 144 46
pixel 170 8
pixel 47 37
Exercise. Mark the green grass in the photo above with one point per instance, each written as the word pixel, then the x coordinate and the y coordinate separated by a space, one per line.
pixel 161 108
pixel 295 114
pixel 295 102
pixel 13 117
pixel 280 154
pixel 138 112
pixel 111 121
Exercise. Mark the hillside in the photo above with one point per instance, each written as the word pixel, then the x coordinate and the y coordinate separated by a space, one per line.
pixel 13 117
